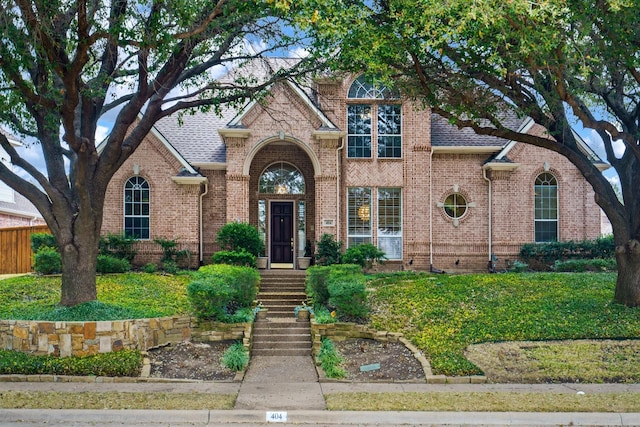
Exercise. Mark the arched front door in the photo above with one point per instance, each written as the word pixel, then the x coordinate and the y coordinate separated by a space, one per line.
pixel 282 222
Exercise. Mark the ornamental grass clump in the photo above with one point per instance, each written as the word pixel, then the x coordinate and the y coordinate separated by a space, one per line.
pixel 235 358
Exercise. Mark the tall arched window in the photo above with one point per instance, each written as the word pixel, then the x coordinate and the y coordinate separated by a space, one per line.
pixel 136 208
pixel 281 178
pixel 546 208
pixel 375 120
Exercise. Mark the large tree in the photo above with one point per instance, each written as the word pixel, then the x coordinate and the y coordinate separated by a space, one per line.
pixel 67 64
pixel 559 62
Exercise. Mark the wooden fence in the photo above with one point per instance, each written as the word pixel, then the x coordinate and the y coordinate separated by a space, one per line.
pixel 15 249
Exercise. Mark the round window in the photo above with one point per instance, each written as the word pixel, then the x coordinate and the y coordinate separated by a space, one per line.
pixel 455 206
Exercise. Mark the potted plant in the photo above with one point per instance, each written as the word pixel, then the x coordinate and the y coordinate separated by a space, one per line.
pixel 302 312
pixel 305 261
pixel 262 261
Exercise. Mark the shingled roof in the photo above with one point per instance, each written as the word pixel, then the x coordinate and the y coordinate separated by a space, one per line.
pixel 444 134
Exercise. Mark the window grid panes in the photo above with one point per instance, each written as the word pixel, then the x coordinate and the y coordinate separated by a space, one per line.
pixel 262 220
pixel 546 208
pixel 281 178
pixel 359 131
pixel 365 88
pixel 389 131
pixel 390 222
pixel 455 206
pixel 359 215
pixel 136 208
pixel 302 228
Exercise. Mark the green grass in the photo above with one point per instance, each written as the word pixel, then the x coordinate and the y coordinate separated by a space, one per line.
pixel 121 296
pixel 484 402
pixel 443 314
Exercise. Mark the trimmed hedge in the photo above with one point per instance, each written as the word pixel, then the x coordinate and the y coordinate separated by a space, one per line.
pixel 47 260
pixel 108 264
pixel 582 265
pixel 340 288
pixel 220 291
pixel 542 256
pixel 124 363
pixel 241 258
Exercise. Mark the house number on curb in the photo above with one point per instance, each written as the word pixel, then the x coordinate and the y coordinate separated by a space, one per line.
pixel 276 417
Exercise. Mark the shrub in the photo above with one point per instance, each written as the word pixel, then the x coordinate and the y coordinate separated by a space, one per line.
pixel 363 255
pixel 236 236
pixel 541 256
pixel 318 277
pixel 219 291
pixel 169 248
pixel 328 250
pixel 43 240
pixel 582 265
pixel 111 264
pixel 236 357
pixel 330 360
pixel 47 260
pixel 348 294
pixel 119 246
pixel 241 258
pixel 519 267
pixel 324 316
pixel 170 266
pixel 150 268
pixel 124 363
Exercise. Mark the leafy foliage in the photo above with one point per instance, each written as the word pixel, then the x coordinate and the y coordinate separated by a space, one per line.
pixel 364 255
pixel 111 264
pixel 348 295
pixel 119 246
pixel 47 261
pixel 444 314
pixel 124 363
pixel 582 265
pixel 341 289
pixel 238 236
pixel 42 240
pixel 123 296
pixel 235 358
pixel 328 250
pixel 241 258
pixel 330 360
pixel 542 256
pixel 219 291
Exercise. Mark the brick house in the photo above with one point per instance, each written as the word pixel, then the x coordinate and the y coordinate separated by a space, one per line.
pixel 347 158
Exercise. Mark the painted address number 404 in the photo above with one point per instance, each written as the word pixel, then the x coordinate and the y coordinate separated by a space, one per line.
pixel 276 417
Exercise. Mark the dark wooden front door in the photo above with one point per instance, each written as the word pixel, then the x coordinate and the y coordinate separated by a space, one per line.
pixel 282 232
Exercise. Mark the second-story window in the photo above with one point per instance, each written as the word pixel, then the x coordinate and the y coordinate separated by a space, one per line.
pixel 363 130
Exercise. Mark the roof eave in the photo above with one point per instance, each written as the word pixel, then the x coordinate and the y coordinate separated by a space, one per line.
pixel 501 166
pixel 189 180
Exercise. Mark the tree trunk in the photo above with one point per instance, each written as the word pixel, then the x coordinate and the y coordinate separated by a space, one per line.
pixel 79 261
pixel 628 283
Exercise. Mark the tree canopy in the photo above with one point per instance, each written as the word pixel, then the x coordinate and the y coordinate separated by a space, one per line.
pixel 560 62
pixel 65 65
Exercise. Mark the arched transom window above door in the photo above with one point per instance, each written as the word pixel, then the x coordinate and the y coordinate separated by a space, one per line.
pixel 281 178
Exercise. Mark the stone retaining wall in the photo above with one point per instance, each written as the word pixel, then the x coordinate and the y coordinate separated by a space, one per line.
pixel 84 338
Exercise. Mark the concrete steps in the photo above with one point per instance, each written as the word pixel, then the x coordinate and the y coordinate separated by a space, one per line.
pixel 280 334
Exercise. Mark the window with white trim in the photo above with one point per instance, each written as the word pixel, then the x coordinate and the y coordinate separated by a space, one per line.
pixel 546 208
pixel 390 222
pixel 136 208
pixel 362 130
pixel 358 215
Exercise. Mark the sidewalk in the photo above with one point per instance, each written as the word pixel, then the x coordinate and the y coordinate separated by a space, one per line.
pixel 289 395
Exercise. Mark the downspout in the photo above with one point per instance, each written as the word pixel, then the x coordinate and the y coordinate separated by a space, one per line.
pixel 431 210
pixel 338 175
pixel 490 211
pixel 201 238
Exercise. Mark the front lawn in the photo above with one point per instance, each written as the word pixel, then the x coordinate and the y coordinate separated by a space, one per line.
pixel 121 296
pixel 444 314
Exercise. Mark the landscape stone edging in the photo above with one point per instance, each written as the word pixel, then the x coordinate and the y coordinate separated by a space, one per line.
pixel 65 339
pixel 86 338
pixel 341 331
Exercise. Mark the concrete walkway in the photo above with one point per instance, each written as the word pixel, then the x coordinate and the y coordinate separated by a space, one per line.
pixel 281 383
